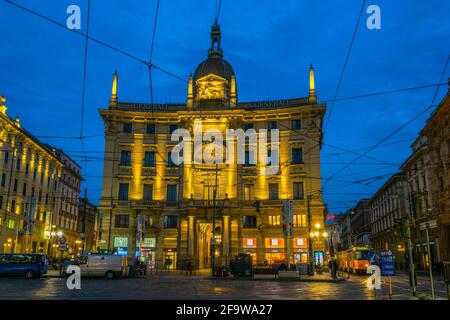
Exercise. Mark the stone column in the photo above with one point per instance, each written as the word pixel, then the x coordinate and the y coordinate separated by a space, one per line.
pixel 191 236
pixel 226 237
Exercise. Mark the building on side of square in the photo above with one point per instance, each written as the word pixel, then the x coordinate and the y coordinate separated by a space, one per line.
pixel 177 202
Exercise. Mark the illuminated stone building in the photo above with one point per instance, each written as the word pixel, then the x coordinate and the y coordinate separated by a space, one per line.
pixel 177 202
pixel 32 192
pixel 428 175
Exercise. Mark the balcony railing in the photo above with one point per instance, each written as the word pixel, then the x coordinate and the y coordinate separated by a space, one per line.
pixel 125 171
pixel 148 171
pixel 145 203
pixel 297 168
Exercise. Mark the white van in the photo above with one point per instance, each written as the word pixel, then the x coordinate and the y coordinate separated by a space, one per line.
pixel 102 265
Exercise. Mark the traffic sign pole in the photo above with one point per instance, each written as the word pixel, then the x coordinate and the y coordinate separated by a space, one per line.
pixel 389 277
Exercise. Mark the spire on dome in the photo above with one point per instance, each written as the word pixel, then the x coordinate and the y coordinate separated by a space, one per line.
pixel 216 37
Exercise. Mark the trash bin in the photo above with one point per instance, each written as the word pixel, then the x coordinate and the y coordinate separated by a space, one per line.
pixel 243 265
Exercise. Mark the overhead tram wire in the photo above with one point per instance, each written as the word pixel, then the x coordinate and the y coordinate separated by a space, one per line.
pixel 325 101
pixel 150 64
pixel 344 66
pixel 121 51
pixel 83 96
pixel 399 128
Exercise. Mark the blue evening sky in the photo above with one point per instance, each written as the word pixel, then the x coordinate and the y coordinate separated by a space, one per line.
pixel 270 45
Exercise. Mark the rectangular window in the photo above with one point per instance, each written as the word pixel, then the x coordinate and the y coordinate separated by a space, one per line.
pixel 249 221
pixel 16 182
pixel 248 192
pixel 172 192
pixel 11 223
pixel 123 191
pixel 149 159
pixel 275 220
pixel 127 127
pixel 3 179
pixel 13 206
pixel 273 191
pixel 298 191
pixel 27 169
pixel 122 221
pixel 151 128
pixel 170 222
pixel 170 162
pixel 249 158
pixel 18 164
pixel 300 221
pixel 148 192
pixel 249 243
pixel 172 128
pixel 1 202
pixel 6 159
pixel 125 158
pixel 34 173
pixel 272 125
pixel 296 124
pixel 248 126
pixel 297 156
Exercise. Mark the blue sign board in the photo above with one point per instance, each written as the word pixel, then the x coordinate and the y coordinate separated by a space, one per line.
pixel 372 257
pixel 387 263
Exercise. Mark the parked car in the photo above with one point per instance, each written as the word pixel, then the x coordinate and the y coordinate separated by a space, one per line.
pixel 101 265
pixel 23 264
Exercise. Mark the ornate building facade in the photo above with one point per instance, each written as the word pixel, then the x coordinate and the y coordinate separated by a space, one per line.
pixel 428 175
pixel 185 210
pixel 38 184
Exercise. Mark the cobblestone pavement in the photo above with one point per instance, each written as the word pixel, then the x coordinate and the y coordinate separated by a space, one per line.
pixel 181 287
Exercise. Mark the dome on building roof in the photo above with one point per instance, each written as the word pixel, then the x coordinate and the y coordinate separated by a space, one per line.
pixel 216 65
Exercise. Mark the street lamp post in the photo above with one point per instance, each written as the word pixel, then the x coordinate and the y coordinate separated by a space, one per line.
pixel 317 235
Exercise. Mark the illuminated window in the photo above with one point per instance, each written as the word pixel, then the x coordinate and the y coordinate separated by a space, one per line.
pixel 11 224
pixel 300 243
pixel 274 242
pixel 300 221
pixel 249 243
pixel 1 220
pixel 275 220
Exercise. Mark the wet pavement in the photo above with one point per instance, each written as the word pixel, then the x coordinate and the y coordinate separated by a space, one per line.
pixel 181 287
pixel 201 287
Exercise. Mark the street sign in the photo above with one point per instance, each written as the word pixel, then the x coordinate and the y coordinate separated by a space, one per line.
pixel 62 247
pixel 387 263
pixel 372 257
pixel 428 225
